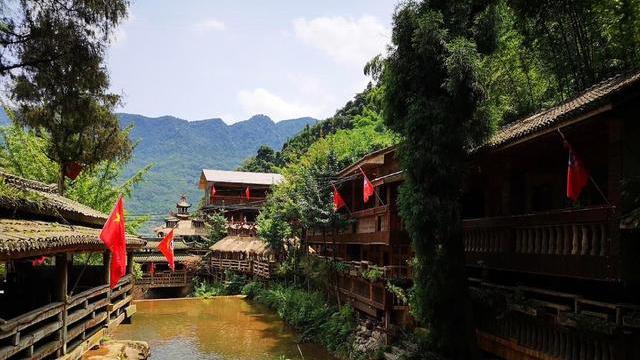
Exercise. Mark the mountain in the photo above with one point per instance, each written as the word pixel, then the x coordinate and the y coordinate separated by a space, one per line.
pixel 179 149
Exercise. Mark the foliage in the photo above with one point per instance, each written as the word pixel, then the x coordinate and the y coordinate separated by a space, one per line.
pixel 21 153
pixel 399 292
pixel 434 99
pixel 206 290
pixel 251 290
pixel 137 270
pixel 309 314
pixel 217 224
pixel 266 160
pixel 373 273
pixel 36 33
pixel 65 97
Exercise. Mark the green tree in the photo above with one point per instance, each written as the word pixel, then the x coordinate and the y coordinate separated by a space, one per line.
pixel 22 154
pixel 433 98
pixel 217 224
pixel 33 33
pixel 64 95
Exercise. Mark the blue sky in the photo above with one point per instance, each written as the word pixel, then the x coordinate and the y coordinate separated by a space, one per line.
pixel 233 59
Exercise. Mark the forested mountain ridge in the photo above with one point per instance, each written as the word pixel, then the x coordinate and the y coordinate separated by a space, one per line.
pixel 179 149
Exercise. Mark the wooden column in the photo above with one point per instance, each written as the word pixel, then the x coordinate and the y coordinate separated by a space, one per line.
pixel 614 194
pixel 129 263
pixel 106 262
pixel 62 279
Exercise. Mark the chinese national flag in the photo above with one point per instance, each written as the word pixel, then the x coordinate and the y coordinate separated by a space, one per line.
pixel 367 187
pixel 166 248
pixel 338 201
pixel 152 269
pixel 213 191
pixel 577 175
pixel 112 235
pixel 247 193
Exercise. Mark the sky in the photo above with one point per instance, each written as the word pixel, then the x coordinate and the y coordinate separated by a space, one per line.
pixel 233 59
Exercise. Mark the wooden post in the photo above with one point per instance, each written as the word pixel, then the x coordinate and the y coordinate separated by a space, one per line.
pixel 62 278
pixel 129 263
pixel 106 259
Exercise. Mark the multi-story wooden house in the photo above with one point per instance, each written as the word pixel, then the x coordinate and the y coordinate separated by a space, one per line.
pixel 372 247
pixel 55 301
pixel 566 273
pixel 550 278
pixel 238 194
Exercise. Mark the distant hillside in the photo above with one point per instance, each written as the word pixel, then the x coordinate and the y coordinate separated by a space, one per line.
pixel 180 149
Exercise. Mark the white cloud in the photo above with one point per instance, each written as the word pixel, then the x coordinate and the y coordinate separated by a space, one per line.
pixel 345 40
pixel 210 25
pixel 262 101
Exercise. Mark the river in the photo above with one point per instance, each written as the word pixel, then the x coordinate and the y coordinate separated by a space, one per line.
pixel 225 328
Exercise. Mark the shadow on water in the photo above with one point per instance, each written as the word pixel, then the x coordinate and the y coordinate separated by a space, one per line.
pixel 218 328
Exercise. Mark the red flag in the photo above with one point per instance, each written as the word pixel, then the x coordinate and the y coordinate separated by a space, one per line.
pixel 38 261
pixel 367 187
pixel 166 248
pixel 577 175
pixel 152 269
pixel 213 191
pixel 112 235
pixel 338 201
pixel 72 170
pixel 247 193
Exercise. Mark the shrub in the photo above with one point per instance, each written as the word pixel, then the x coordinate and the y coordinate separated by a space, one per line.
pixel 311 316
pixel 251 289
pixel 206 290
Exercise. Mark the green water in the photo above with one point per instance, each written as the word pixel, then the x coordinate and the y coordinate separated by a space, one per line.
pixel 219 328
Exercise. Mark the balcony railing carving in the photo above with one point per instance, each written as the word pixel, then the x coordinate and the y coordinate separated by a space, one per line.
pixel 574 242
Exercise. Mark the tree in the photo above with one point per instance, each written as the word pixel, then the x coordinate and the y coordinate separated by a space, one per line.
pixel 217 224
pixel 22 154
pixel 62 85
pixel 33 33
pixel 433 98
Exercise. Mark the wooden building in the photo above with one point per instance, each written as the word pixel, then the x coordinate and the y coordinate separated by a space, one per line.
pixel 373 244
pixel 185 226
pixel 55 302
pixel 566 274
pixel 238 194
pixel 248 255
pixel 549 278
pixel 155 268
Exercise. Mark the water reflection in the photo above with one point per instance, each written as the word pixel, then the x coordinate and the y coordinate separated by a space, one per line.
pixel 219 328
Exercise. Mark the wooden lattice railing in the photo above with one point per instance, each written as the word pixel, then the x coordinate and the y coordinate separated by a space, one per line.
pixel 56 327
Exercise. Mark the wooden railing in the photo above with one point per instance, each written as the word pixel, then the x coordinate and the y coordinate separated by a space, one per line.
pixel 575 243
pixel 552 324
pixel 355 268
pixel 59 326
pixel 234 200
pixel 165 279
pixel 262 268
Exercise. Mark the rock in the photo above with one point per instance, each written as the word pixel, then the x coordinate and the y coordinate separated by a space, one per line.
pixel 119 349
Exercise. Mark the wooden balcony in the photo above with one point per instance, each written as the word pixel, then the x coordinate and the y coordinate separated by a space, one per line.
pixel 574 243
pixel 232 201
pixel 260 268
pixel 374 226
pixel 368 296
pixel 164 279
pixel 56 327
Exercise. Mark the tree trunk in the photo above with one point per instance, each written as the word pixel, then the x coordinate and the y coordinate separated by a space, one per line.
pixel 61 180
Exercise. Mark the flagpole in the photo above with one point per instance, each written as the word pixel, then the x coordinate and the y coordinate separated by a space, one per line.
pixel 593 181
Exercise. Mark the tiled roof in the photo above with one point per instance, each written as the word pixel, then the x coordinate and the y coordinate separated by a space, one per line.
pixel 31 238
pixel 39 199
pixel 239 177
pixel 177 245
pixel 590 99
pixel 184 228
pixel 141 258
